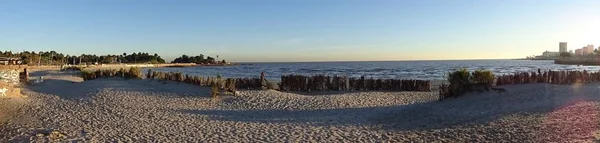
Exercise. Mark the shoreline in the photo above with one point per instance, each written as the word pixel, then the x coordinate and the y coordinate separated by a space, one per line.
pixel 115 109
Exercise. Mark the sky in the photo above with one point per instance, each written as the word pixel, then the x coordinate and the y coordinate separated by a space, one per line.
pixel 301 30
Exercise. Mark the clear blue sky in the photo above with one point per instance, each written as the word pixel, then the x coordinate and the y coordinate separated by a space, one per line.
pixel 301 30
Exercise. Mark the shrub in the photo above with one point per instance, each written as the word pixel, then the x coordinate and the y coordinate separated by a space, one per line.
pixel 87 75
pixel 134 73
pixel 459 82
pixel 483 79
pixel 462 81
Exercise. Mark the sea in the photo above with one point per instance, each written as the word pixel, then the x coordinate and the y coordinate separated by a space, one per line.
pixel 424 70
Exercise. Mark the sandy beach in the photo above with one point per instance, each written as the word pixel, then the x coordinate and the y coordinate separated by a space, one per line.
pixel 109 110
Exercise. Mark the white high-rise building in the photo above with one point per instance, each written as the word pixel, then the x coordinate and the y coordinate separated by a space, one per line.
pixel 562 47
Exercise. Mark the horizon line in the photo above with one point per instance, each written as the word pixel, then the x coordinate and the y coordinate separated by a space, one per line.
pixel 377 60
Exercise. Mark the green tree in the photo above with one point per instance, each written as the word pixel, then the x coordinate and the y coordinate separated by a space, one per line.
pixel 565 55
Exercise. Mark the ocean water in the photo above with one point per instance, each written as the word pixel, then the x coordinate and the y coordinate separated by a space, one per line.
pixel 429 70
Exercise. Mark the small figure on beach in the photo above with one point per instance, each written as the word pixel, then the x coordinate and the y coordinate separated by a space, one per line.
pixel 262 79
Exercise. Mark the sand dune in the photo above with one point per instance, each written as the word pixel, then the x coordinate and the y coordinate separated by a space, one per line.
pixel 144 110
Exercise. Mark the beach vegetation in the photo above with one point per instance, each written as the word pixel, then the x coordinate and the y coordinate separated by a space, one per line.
pixel 482 79
pixel 565 55
pixel 88 75
pixel 462 81
pixel 134 73
pixel 55 58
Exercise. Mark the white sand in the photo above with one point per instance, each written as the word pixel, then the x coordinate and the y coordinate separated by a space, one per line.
pixel 143 110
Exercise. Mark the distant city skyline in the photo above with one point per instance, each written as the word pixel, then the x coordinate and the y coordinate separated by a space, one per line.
pixel 301 30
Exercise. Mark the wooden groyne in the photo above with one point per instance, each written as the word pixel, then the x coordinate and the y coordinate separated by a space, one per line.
pixel 341 83
pixel 224 83
pixel 462 86
pixel 145 65
pixel 551 77
pixel 577 62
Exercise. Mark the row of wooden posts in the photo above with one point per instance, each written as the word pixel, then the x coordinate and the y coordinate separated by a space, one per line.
pixel 549 77
pixel 444 92
pixel 223 83
pixel 341 83
pixel 552 77
pixel 317 83
pixel 300 82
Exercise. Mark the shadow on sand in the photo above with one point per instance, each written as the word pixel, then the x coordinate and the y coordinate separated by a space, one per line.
pixel 472 109
pixel 76 90
pixel 326 93
pixel 65 89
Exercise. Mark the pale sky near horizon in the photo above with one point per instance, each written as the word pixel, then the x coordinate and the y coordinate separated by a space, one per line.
pixel 301 30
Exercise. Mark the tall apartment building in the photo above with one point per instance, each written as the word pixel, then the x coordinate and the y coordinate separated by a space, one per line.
pixel 562 47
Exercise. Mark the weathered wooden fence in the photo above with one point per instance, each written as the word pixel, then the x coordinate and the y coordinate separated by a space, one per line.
pixel 549 77
pixel 342 83
pixel 225 83
pixel 552 77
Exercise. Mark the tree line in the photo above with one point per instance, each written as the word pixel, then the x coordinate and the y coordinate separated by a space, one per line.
pixel 55 58
pixel 200 59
